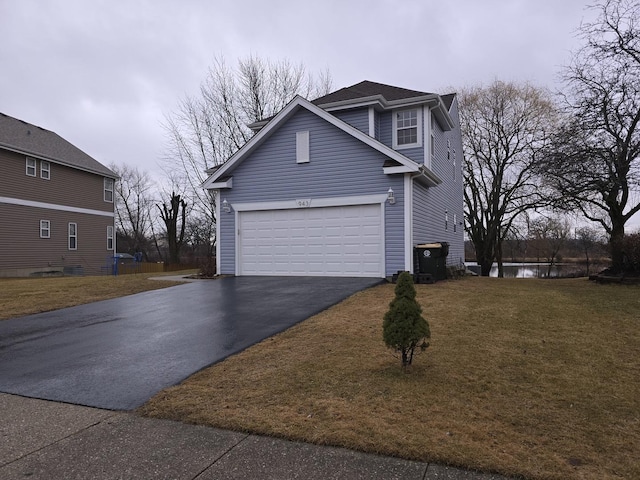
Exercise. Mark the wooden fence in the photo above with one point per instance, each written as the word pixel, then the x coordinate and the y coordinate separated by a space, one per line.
pixel 150 267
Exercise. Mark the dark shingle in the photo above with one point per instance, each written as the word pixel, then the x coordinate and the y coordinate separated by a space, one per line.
pixel 368 89
pixel 30 139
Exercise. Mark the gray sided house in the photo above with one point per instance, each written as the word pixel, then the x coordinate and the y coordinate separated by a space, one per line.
pixel 345 185
pixel 56 204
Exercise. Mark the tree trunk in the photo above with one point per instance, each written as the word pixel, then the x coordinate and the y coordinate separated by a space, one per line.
pixel 616 245
pixel 499 259
pixel 484 257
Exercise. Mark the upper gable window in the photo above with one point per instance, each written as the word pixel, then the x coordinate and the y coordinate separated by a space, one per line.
pixel 407 128
pixel 45 170
pixel 108 190
pixel 31 167
pixel 302 147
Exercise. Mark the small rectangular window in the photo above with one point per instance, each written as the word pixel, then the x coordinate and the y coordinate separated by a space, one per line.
pixel 45 170
pixel 73 236
pixel 108 190
pixel 31 167
pixel 109 237
pixel 45 229
pixel 302 147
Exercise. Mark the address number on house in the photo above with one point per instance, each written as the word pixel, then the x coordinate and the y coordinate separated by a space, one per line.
pixel 303 203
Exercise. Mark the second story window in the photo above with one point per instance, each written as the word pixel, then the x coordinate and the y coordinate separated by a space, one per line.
pixel 45 170
pixel 31 167
pixel 108 190
pixel 407 129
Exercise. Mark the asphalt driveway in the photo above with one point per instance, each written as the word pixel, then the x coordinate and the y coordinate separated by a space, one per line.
pixel 116 354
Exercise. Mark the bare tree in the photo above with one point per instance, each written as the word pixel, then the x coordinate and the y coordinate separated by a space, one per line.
pixel 594 164
pixel 174 216
pixel 504 126
pixel 208 128
pixel 550 235
pixel 134 203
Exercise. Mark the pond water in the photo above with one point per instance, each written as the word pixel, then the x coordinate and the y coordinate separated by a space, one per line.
pixel 530 270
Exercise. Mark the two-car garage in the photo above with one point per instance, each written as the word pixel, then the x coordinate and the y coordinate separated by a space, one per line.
pixel 333 241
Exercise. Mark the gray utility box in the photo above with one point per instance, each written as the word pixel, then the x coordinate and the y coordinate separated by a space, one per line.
pixel 431 258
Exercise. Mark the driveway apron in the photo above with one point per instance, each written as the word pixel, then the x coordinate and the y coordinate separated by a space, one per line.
pixel 116 354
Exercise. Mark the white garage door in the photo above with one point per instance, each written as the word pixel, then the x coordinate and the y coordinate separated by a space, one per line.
pixel 331 241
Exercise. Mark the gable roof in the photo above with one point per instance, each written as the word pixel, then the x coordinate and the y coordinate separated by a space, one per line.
pixel 218 173
pixel 386 97
pixel 25 138
pixel 366 89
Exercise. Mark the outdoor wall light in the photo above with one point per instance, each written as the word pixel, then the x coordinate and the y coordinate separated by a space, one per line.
pixel 390 197
pixel 226 208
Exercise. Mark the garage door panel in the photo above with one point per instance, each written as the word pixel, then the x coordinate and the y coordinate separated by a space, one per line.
pixel 340 241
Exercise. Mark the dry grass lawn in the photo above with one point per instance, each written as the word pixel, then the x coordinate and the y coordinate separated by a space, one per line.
pixel 539 378
pixel 25 296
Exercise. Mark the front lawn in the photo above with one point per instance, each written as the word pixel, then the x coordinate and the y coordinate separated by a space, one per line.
pixel 538 378
pixel 24 296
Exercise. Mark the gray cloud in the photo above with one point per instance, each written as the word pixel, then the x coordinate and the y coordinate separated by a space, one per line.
pixel 103 73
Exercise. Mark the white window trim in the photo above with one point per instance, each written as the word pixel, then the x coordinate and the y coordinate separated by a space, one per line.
pixel 45 226
pixel 74 236
pixel 110 237
pixel 33 166
pixel 111 189
pixel 418 142
pixel 45 167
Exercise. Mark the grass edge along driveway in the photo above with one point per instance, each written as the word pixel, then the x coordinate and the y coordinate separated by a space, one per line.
pixel 26 296
pixel 523 377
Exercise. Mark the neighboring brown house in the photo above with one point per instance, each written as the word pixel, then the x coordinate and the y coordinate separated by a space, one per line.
pixel 56 204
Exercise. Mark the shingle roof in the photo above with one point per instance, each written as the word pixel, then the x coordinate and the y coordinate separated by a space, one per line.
pixel 29 139
pixel 369 89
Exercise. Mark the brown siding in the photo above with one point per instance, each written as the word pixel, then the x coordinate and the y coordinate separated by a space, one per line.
pixel 22 247
pixel 66 186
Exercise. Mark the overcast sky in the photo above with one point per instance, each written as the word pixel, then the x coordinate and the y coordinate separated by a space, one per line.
pixel 102 74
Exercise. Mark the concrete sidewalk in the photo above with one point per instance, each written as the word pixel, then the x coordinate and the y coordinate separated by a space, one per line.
pixel 49 440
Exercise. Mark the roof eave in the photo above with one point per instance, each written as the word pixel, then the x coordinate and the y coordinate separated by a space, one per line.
pixel 428 177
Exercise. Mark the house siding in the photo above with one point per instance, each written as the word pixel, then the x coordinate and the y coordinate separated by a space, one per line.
pixel 340 166
pixel 358 118
pixel 432 205
pixel 66 186
pixel 21 247
pixel 385 127
pixel 22 251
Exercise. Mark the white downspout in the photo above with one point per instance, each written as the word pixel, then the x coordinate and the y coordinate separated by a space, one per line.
pixel 217 197
pixel 408 222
